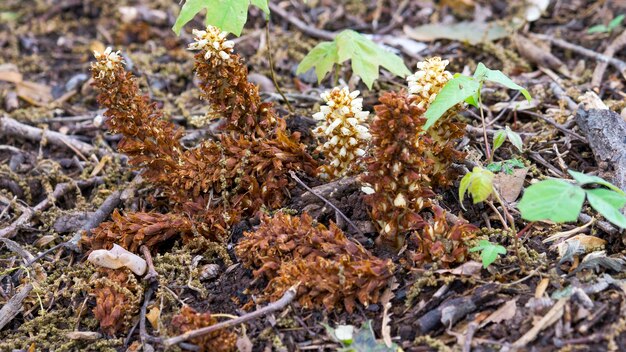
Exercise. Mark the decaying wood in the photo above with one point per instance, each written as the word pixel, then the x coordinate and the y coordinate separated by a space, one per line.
pixel 454 309
pixel 13 306
pixel 606 132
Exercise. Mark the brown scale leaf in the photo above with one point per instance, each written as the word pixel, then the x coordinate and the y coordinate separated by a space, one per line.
pixel 117 298
pixel 331 268
pixel 442 243
pixel 223 340
pixel 136 228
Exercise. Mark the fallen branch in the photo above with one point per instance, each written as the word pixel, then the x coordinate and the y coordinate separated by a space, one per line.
pixel 287 298
pixel 614 47
pixel 14 128
pixel 14 305
pixel 28 213
pixel 619 64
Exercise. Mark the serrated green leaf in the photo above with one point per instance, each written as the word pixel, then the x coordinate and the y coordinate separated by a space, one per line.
pixel 489 251
pixel 498 140
pixel 478 183
pixel 514 138
pixel 483 73
pixel 615 22
pixel 584 179
pixel 228 15
pixel 454 92
pixel 262 4
pixel 555 200
pixel 367 56
pixel 608 204
pixel 599 28
pixel 189 10
pixel 323 56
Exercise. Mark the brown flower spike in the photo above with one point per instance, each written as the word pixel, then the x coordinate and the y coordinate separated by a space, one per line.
pixel 406 162
pixel 224 81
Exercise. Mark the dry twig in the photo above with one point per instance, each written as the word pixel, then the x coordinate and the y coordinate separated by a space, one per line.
pixel 287 298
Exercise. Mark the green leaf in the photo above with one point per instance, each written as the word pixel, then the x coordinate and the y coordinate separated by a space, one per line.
pixel 323 56
pixel 514 138
pixel 489 251
pixel 367 56
pixel 262 4
pixel 189 10
pixel 584 179
pixel 608 204
pixel 478 183
pixel 228 15
pixel 599 28
pixel 454 92
pixel 555 200
pixel 482 73
pixel 498 140
pixel 615 22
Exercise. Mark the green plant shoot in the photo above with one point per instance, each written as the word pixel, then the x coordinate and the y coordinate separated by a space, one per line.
pixel 600 28
pixel 488 251
pixel 478 183
pixel 467 89
pixel 366 57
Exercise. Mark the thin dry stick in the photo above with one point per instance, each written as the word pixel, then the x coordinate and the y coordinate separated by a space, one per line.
pixel 619 64
pixel 614 47
pixel 314 32
pixel 287 298
pixel 297 179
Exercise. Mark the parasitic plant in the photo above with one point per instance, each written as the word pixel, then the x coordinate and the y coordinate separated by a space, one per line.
pixel 213 185
pixel 408 162
pixel 343 128
pixel 331 268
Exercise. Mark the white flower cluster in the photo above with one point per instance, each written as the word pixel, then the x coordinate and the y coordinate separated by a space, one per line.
pixel 213 40
pixel 343 128
pixel 430 77
pixel 107 60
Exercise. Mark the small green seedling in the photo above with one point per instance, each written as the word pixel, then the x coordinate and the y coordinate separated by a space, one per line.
pixel 365 55
pixel 478 183
pixel 506 166
pixel 467 89
pixel 227 15
pixel 561 201
pixel 600 28
pixel 488 251
pixel 358 340
pixel 509 134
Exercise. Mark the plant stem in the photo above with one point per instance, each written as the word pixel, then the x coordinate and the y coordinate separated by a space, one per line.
pixel 512 223
pixel 271 60
pixel 482 119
